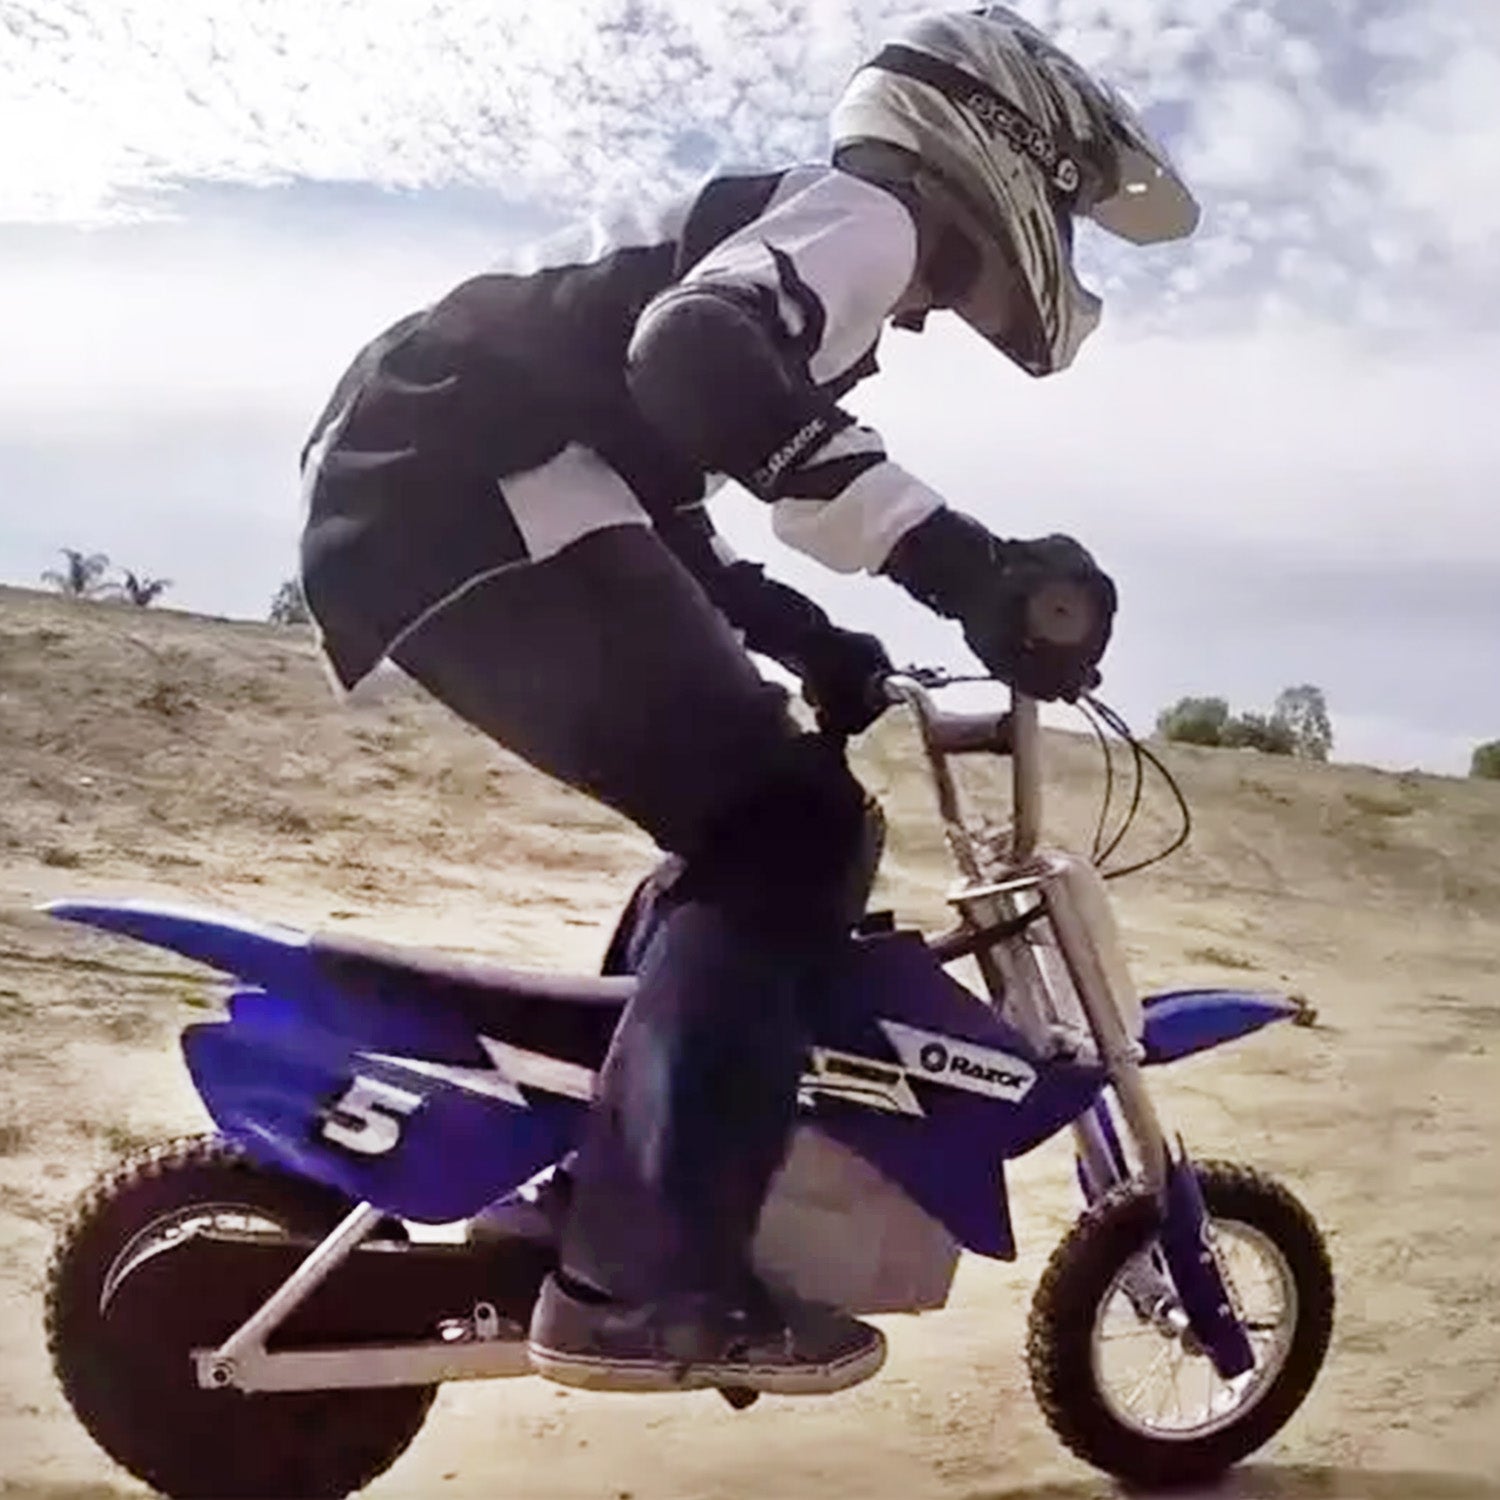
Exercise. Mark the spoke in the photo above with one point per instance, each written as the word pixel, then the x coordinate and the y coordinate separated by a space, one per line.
pixel 1177 1410
pixel 1145 1331
pixel 1169 1385
pixel 1161 1401
pixel 1151 1370
pixel 1262 1293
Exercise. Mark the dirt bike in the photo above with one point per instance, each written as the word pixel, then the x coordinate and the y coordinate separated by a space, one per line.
pixel 256 1311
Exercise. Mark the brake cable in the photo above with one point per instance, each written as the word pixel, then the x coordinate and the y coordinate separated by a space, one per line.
pixel 1141 753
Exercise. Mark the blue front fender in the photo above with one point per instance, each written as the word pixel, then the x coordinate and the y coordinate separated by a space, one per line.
pixel 1182 1022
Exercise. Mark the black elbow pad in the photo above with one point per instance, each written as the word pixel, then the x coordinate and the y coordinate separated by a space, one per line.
pixel 704 371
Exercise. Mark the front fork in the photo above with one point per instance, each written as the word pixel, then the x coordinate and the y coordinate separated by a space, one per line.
pixel 1181 1278
pixel 1183 1258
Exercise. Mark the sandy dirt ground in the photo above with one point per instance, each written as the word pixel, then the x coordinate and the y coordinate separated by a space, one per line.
pixel 166 755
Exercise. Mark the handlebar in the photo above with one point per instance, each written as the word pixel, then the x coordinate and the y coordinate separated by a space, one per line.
pixel 1059 613
pixel 1015 732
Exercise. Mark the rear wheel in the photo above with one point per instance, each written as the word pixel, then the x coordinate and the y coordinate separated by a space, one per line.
pixel 139 1397
pixel 1116 1369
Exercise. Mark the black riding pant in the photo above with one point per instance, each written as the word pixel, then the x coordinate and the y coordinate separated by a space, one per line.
pixel 605 665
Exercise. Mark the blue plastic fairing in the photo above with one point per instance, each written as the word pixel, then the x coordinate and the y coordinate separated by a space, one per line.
pixel 1182 1022
pixel 273 1076
pixel 262 952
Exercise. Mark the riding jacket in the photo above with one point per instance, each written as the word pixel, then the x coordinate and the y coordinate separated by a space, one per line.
pixel 520 378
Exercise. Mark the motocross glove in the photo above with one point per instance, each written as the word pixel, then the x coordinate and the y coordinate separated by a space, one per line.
pixel 841 670
pixel 999 592
pixel 843 679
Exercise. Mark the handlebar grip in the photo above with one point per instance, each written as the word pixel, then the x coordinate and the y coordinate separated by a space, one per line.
pixel 971 734
pixel 1062 613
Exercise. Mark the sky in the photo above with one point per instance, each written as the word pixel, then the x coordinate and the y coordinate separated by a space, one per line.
pixel 1282 442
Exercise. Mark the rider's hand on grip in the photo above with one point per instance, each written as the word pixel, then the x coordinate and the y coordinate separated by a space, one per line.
pixel 1066 620
pixel 1038 614
pixel 843 679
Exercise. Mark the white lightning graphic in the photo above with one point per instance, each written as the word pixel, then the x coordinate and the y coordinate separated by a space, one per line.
pixel 511 1067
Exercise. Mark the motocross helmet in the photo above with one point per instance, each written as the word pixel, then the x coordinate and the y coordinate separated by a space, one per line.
pixel 1001 138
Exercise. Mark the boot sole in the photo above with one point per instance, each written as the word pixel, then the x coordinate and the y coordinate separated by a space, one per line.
pixel 593 1372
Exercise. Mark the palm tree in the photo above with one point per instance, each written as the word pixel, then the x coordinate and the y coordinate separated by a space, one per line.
pixel 83 578
pixel 143 591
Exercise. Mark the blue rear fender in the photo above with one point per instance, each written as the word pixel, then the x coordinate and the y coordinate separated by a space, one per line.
pixel 264 953
pixel 1179 1023
pixel 296 1042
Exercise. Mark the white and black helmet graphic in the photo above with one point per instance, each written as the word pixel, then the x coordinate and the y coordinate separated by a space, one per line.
pixel 1012 140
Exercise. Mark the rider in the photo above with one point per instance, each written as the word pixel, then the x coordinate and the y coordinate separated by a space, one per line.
pixel 506 498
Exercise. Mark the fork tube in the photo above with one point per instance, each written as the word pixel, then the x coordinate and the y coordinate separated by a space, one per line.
pixel 1089 965
pixel 1099 1151
pixel 1145 1124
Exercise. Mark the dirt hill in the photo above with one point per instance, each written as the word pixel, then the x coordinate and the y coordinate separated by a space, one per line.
pixel 156 753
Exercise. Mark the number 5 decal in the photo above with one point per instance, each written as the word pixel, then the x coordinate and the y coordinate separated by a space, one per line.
pixel 367 1117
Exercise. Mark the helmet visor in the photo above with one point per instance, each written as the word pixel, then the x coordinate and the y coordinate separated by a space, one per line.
pixel 1150 202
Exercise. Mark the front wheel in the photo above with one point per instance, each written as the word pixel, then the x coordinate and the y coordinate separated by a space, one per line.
pixel 1116 1369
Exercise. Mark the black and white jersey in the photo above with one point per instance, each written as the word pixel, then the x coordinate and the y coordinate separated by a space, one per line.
pixel 514 386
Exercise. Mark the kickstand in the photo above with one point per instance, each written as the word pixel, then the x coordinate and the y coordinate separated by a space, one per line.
pixel 739 1396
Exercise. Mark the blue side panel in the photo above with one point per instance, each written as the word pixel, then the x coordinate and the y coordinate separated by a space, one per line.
pixel 1182 1022
pixel 268 955
pixel 271 1075
pixel 950 1159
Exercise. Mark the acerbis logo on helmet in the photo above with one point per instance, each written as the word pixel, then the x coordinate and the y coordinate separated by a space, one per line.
pixel 1027 139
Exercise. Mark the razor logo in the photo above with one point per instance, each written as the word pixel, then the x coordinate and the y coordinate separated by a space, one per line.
pixel 960 1064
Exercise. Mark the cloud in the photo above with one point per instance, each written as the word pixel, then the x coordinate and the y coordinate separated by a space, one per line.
pixel 1284 504
pixel 1281 442
pixel 254 299
pixel 1348 153
pixel 1276 506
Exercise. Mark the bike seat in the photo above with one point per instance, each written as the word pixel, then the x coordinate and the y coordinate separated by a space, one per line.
pixel 365 962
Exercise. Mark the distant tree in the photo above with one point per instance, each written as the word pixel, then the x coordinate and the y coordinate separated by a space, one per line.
pixel 289 607
pixel 82 577
pixel 1305 713
pixel 1263 732
pixel 142 591
pixel 1486 762
pixel 1194 721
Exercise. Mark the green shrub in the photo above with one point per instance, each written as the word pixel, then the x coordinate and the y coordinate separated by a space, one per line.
pixel 1486 762
pixel 1194 721
pixel 1263 732
pixel 1298 725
